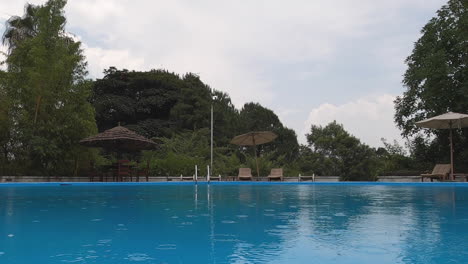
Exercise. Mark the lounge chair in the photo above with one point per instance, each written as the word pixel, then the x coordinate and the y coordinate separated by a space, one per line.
pixel 276 174
pixel 440 172
pixel 461 175
pixel 187 178
pixel 245 174
pixel 306 178
pixel 215 178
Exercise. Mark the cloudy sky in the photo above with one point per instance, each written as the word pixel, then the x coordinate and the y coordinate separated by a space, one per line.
pixel 311 61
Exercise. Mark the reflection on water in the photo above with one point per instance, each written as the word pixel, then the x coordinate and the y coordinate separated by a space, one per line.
pixel 233 224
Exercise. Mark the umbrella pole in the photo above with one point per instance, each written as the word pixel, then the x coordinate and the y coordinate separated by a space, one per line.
pixel 451 154
pixel 256 161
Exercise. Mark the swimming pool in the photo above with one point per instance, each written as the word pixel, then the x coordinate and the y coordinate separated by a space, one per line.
pixel 233 223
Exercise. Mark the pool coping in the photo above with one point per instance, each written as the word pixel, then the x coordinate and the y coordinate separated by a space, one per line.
pixel 38 184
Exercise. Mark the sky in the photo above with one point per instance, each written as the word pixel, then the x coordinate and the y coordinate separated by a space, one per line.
pixel 310 61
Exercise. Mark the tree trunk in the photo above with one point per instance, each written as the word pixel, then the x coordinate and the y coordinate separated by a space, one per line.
pixel 38 104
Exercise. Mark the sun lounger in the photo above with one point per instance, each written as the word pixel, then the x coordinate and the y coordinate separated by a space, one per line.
pixel 306 178
pixel 215 178
pixel 245 174
pixel 461 175
pixel 440 172
pixel 276 174
pixel 187 178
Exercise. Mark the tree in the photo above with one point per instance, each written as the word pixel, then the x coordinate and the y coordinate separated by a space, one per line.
pixel 142 101
pixel 180 154
pixel 345 155
pixel 49 107
pixel 159 103
pixel 393 160
pixel 5 123
pixel 225 118
pixel 436 79
pixel 19 28
pixel 192 110
pixel 255 117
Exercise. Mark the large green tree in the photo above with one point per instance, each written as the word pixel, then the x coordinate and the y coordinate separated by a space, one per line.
pixel 436 80
pixel 45 82
pixel 192 110
pixel 336 152
pixel 141 101
pixel 255 117
pixel 5 123
pixel 159 103
pixel 225 118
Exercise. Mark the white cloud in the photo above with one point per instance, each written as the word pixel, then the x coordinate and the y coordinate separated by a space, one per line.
pixel 231 44
pixel 369 118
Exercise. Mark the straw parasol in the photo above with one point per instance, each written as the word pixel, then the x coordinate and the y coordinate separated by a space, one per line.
pixel 119 138
pixel 254 138
pixel 450 121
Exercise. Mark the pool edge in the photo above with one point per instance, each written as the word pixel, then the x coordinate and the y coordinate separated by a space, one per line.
pixel 64 184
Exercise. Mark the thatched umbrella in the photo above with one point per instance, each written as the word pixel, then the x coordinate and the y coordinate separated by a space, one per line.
pixel 119 139
pixel 253 139
pixel 450 121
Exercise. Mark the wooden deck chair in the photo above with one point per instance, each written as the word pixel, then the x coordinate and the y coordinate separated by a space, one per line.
pixel 215 178
pixel 440 172
pixel 187 178
pixel 276 174
pixel 245 174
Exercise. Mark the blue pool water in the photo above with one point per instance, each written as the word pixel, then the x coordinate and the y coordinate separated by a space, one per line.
pixel 233 223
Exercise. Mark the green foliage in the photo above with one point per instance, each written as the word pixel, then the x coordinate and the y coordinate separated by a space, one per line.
pixel 179 154
pixel 258 118
pixel 176 111
pixel 19 29
pixel 175 164
pixel 226 164
pixel 265 164
pixel 310 162
pixel 195 144
pixel 392 158
pixel 5 123
pixel 346 155
pixel 48 93
pixel 225 118
pixel 140 100
pixel 436 82
pixel 192 110
pixel 437 76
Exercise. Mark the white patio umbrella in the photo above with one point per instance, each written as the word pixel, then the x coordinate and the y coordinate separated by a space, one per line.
pixel 450 121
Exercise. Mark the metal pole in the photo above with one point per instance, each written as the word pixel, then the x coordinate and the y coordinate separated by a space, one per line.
pixel 451 153
pixel 211 164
